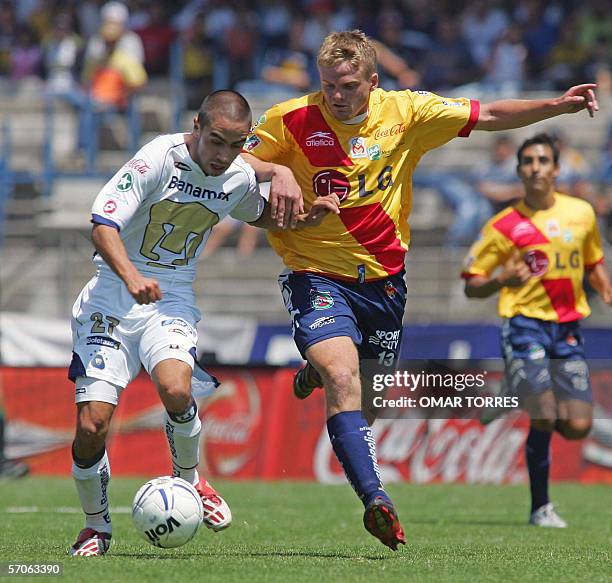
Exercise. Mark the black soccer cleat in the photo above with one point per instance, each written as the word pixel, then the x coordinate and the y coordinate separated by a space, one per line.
pixel 305 381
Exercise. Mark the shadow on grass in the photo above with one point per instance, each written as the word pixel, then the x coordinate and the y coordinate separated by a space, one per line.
pixel 253 554
pixel 465 521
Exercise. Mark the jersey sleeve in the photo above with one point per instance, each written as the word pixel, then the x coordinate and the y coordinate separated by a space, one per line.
pixel 121 196
pixel 267 140
pixel 593 249
pixel 490 250
pixel 437 120
pixel 252 204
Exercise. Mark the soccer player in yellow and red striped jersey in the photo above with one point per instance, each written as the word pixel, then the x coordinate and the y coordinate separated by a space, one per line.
pixel 543 246
pixel 344 285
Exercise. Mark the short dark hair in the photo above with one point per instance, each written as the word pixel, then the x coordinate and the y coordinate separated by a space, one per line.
pixel 227 103
pixel 543 139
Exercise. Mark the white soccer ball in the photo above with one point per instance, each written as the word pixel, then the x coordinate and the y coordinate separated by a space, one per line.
pixel 167 512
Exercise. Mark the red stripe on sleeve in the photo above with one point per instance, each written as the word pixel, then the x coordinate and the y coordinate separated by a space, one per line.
pixel 375 231
pixel 316 139
pixel 589 266
pixel 561 295
pixel 471 122
pixel 520 230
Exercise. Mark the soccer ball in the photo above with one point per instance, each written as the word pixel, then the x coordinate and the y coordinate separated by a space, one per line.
pixel 167 512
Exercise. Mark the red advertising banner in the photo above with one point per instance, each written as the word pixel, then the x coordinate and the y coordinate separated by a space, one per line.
pixel 255 429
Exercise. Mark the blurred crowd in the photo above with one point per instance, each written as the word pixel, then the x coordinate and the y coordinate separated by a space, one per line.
pixel 96 54
pixel 504 45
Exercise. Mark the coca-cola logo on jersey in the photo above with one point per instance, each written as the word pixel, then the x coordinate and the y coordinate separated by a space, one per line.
pixel 437 450
pixel 394 130
pixel 139 165
pixel 537 261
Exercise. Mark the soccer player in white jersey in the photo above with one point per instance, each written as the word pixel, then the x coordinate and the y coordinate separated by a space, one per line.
pixel 150 223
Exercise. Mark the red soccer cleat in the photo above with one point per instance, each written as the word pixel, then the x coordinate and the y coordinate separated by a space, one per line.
pixel 217 513
pixel 381 521
pixel 90 543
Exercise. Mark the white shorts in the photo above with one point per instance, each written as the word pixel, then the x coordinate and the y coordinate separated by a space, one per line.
pixel 113 335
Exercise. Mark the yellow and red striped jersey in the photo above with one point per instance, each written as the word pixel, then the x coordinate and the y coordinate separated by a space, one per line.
pixel 368 165
pixel 557 244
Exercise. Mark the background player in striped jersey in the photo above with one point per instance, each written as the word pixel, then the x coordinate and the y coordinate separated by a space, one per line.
pixel 543 245
pixel 151 222
pixel 344 285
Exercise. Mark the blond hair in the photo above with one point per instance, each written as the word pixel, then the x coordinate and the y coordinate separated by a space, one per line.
pixel 351 46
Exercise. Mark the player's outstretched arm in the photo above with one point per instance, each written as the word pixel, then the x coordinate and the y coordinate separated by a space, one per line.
pixel 514 274
pixel 108 243
pixel 600 280
pixel 516 113
pixel 285 199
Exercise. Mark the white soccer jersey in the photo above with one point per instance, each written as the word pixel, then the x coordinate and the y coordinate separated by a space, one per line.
pixel 164 206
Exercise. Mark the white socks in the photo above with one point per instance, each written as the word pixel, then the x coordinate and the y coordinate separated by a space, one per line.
pixel 183 433
pixel 91 484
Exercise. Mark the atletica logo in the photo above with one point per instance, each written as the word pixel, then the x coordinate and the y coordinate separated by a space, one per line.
pixel 196 191
pixel 320 322
pixel 320 139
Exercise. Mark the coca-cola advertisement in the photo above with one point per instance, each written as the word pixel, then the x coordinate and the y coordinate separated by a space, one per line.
pixel 254 428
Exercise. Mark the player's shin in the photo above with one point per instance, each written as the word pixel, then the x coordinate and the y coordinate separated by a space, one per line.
pixel 183 433
pixel 537 452
pixel 355 448
pixel 91 477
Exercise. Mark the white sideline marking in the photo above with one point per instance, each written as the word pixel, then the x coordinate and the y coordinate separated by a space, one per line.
pixel 60 510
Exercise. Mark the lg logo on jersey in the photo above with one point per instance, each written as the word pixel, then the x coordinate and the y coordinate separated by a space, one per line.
pixel 196 191
pixel 333 181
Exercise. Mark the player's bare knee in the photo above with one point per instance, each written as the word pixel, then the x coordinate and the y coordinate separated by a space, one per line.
pixel 339 379
pixel 574 429
pixel 175 396
pixel 92 424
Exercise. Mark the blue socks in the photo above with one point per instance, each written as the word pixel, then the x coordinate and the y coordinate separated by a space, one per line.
pixel 355 448
pixel 537 451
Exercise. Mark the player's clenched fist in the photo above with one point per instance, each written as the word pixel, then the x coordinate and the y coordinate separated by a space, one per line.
pixel 145 290
pixel 516 272
pixel 321 207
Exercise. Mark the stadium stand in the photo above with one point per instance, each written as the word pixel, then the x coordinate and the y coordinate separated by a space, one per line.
pixel 46 185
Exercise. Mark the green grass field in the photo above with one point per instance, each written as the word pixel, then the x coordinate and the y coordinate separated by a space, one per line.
pixel 309 532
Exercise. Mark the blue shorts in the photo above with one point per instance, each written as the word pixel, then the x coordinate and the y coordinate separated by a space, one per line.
pixel 369 313
pixel 541 355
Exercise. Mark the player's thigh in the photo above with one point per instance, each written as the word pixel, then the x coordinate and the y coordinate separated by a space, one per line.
pixel 104 333
pixel 96 400
pixel 379 307
pixel 172 379
pixel 337 361
pixel 170 333
pixel 94 417
pixel 569 369
pixel 542 409
pixel 525 347
pixel 335 358
pixel 319 310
